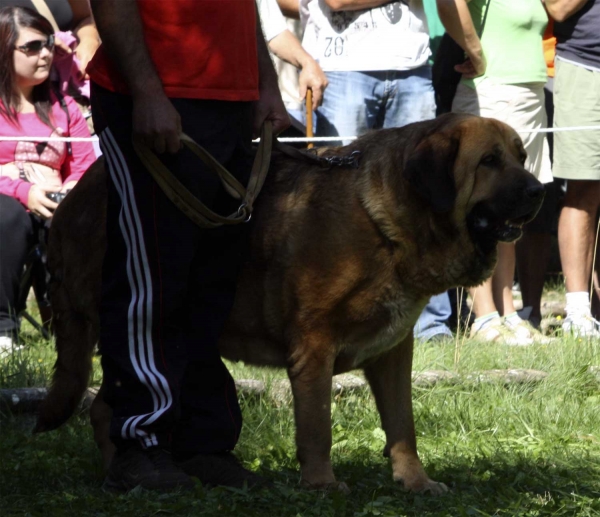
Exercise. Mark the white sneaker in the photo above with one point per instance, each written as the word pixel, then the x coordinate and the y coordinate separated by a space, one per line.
pixel 497 332
pixel 7 346
pixel 525 331
pixel 581 325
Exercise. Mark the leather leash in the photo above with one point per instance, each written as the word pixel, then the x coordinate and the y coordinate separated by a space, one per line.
pixel 189 204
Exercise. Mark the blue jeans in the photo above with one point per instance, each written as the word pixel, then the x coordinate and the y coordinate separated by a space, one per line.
pixel 355 102
pixel 432 321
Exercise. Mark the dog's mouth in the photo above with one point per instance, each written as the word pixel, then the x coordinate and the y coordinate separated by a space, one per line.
pixel 503 231
pixel 488 227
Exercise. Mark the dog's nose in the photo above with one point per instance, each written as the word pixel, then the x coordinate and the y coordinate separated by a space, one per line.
pixel 534 191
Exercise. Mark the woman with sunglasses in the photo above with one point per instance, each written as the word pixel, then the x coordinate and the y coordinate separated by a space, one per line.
pixel 30 171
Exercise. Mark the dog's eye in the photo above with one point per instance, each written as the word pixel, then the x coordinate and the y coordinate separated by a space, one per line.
pixel 489 160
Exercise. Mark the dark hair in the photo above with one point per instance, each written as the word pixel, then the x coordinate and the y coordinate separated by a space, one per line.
pixel 11 19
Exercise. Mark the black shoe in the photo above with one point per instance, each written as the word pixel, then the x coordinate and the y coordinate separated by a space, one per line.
pixel 221 469
pixel 152 469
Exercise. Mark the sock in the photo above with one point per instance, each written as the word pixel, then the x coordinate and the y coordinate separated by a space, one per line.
pixel 578 304
pixel 484 321
pixel 512 320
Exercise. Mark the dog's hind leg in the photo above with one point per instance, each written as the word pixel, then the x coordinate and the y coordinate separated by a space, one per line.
pixel 390 380
pixel 310 372
pixel 100 415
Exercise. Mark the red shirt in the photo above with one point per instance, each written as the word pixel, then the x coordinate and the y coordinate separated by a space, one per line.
pixel 202 49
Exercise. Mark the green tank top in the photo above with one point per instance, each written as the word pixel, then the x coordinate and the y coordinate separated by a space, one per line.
pixel 512 40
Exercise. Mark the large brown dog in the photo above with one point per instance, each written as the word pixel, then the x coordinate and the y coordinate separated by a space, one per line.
pixel 341 263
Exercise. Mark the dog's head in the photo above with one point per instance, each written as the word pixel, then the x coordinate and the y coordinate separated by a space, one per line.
pixel 471 170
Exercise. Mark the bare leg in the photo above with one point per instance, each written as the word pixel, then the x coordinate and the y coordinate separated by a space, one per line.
pixel 482 299
pixel 502 280
pixel 533 255
pixel 577 231
pixel 391 383
pixel 495 294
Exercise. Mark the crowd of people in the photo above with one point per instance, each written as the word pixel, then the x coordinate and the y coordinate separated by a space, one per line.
pixel 154 69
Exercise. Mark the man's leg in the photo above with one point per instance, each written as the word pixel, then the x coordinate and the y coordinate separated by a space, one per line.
pixel 577 159
pixel 210 419
pixel 143 285
pixel 533 254
pixel 409 97
pixel 146 330
pixel 576 240
pixel 433 321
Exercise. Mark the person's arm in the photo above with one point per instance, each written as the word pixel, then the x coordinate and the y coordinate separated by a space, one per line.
pixel 82 153
pixel 456 18
pixel 287 47
pixel 270 105
pixel 155 120
pixel 560 10
pixel 85 30
pixel 354 5
pixel 290 8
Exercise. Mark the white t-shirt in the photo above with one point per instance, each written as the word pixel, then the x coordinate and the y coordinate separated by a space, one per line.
pixel 393 36
pixel 272 20
pixel 274 23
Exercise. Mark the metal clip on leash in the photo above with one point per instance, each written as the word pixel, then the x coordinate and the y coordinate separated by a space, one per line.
pixel 189 204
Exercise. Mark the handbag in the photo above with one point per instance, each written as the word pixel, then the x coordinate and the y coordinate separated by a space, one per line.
pixel 443 76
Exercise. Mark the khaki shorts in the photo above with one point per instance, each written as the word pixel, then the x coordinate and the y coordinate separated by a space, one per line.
pixel 518 105
pixel 576 103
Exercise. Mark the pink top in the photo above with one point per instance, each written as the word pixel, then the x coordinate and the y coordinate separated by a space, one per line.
pixel 16 178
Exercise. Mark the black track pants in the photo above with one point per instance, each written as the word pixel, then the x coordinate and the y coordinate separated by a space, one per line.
pixel 168 286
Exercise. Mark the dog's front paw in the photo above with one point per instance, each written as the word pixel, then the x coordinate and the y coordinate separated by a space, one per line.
pixel 335 486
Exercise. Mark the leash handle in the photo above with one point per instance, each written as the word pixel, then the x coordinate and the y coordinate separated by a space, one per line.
pixel 309 117
pixel 189 204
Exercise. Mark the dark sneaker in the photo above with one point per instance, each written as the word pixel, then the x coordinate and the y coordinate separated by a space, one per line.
pixel 152 469
pixel 222 469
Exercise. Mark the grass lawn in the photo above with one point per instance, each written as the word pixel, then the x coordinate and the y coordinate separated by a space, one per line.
pixel 503 450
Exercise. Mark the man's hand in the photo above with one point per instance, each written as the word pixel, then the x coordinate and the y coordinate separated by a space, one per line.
pixel 38 203
pixel 61 46
pixel 156 122
pixel 85 52
pixel 270 107
pixel 314 78
pixel 472 67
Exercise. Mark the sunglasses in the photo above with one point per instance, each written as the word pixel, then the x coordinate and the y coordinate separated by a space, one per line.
pixel 36 46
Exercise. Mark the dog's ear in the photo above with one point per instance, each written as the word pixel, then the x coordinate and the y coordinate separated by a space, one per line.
pixel 429 170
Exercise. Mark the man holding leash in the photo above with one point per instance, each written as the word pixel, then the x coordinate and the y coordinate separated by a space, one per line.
pixel 200 67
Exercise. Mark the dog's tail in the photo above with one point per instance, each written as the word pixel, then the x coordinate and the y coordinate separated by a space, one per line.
pixel 75 253
pixel 72 372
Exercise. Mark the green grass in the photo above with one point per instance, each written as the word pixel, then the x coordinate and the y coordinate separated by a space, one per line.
pixel 519 450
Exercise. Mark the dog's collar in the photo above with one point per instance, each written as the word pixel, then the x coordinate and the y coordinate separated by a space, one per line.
pixel 352 160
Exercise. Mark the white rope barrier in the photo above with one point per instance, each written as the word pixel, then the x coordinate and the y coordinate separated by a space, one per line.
pixel 48 139
pixel 284 139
